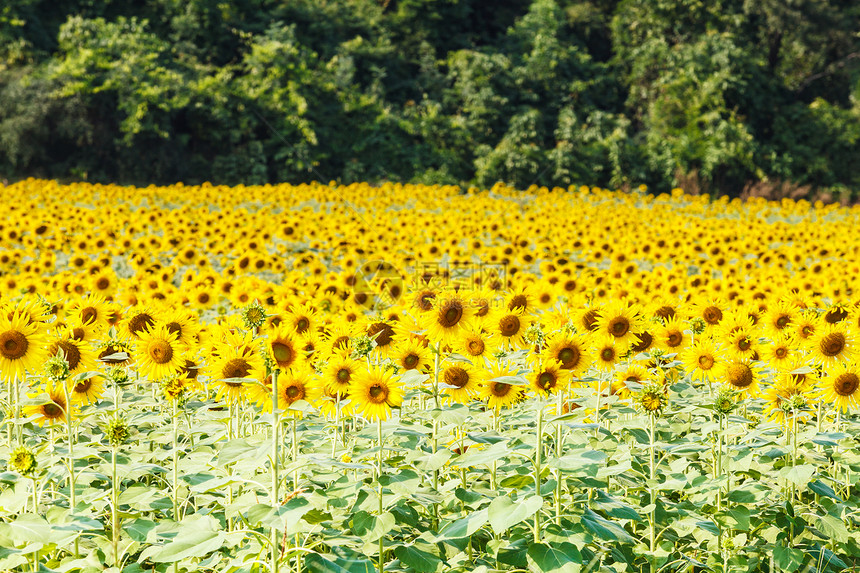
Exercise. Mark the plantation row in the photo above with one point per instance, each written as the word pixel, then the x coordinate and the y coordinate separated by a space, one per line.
pixel 531 397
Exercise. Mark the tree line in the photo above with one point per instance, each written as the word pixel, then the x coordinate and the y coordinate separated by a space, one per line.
pixel 723 96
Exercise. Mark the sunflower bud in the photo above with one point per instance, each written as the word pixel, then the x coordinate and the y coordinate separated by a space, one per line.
pixel 175 388
pixel 534 335
pixel 253 315
pixel 118 375
pixel 57 368
pixel 362 345
pixel 23 461
pixel 117 432
pixel 697 325
pixel 653 398
pixel 725 401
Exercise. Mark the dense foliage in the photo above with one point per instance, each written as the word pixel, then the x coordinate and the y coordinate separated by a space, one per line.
pixel 718 95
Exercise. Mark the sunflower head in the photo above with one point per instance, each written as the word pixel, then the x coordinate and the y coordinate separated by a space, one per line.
pixel 23 461
pixel 253 315
pixel 725 401
pixel 652 398
pixel 57 368
pixel 117 431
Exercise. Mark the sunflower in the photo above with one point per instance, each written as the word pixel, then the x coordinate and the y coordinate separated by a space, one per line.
pixel 741 343
pixel 411 355
pixel 302 319
pixel 798 375
pixel 806 326
pixel 570 350
pixel 82 332
pixel 841 387
pixel 585 319
pixel 743 376
pixel 184 324
pixel 549 378
pixel 383 334
pixel 338 374
pixel 283 347
pixel 606 354
pixel 709 310
pixel 78 355
pixel 620 321
pixel 374 392
pixel 21 346
pixel 475 343
pixel 702 360
pixel 88 390
pixel 421 298
pixel 500 394
pixel 330 399
pixel 481 301
pixel 623 379
pixel 158 353
pixel 138 320
pixel 229 369
pixel 523 298
pixel 451 315
pixel 510 325
pixel 52 411
pixel 338 337
pixel 672 336
pixel 781 317
pixel 780 352
pixel 833 344
pixel 837 313
pixel 113 351
pixel 92 311
pixel 298 384
pixel 781 402
pixel 461 382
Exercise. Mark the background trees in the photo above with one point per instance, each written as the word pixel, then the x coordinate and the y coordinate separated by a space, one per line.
pixel 553 92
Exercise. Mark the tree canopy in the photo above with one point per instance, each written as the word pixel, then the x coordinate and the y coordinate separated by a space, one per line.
pixel 614 93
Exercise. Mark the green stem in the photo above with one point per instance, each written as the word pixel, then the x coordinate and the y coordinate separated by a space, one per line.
pixel 114 509
pixel 18 429
pixel 538 450
pixel 294 455
pixel 275 463
pixel 71 436
pixel 381 563
pixel 652 466
pixel 175 463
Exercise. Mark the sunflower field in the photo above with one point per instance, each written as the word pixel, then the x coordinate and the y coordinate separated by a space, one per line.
pixel 344 378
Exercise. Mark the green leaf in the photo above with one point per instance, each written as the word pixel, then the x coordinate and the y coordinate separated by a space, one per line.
pixel 139 529
pixel 798 475
pixel 547 559
pixel 787 559
pixel 371 527
pixel 604 528
pixel 821 488
pixel 463 527
pixel 417 559
pixel 189 543
pixel 330 564
pixel 833 527
pixel 504 513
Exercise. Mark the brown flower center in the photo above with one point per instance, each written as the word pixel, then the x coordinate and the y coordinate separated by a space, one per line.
pixel 340 342
pixel 450 314
pixel 83 386
pixel 456 376
pixel 519 300
pixel 283 354
pixel 836 315
pixel 483 307
pixel 377 393
pixel 476 347
pixel 509 325
pixel 139 323
pixel 739 375
pixel 547 380
pixel 706 362
pixel 174 328
pixel 569 357
pixel 302 325
pixel 589 319
pixel 645 341
pixel 500 389
pixel 674 339
pixel 832 344
pixel 619 326
pixel 343 375
pixel 71 352
pixel 52 411
pixel 13 345
pixel 102 283
pixel 781 352
pixel 846 384
pixel 744 343
pixel 236 368
pixel 607 354
pixel 385 332
pixel 410 361
pixel 712 315
pixel 294 393
pixel 89 315
pixel 160 351
pixel 783 321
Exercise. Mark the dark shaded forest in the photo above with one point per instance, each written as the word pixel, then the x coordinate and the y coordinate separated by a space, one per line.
pixel 724 96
